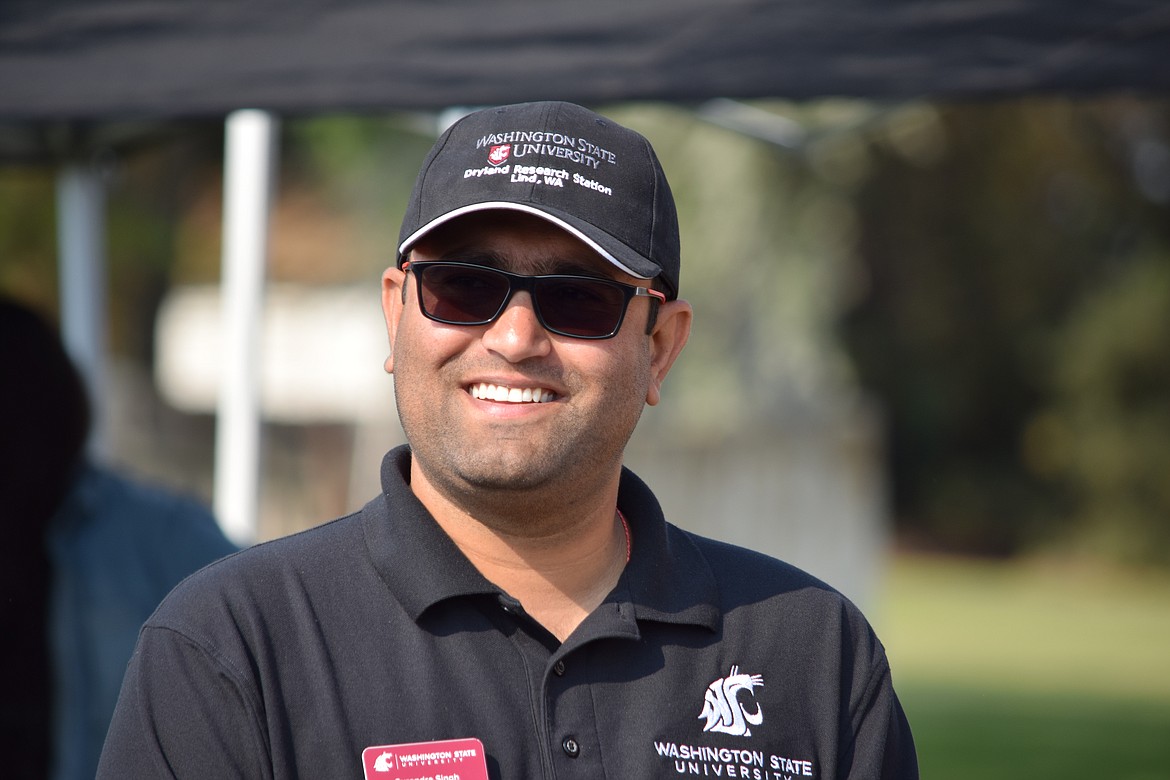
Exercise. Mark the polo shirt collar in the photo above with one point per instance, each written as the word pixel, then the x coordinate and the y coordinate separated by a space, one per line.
pixel 667 579
pixel 412 553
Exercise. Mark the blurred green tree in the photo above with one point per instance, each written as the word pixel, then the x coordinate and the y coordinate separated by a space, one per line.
pixel 1015 325
pixel 1105 434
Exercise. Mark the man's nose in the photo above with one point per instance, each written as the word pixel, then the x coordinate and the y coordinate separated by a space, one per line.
pixel 517 333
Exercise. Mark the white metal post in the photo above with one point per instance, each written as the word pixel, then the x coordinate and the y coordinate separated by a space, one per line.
pixel 81 243
pixel 249 173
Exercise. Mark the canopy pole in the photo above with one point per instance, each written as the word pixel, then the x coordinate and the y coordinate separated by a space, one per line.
pixel 81 243
pixel 249 172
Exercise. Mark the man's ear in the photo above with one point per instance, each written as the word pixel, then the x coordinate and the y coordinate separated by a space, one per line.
pixel 393 302
pixel 670 334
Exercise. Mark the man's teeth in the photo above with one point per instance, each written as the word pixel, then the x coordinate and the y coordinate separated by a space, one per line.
pixel 513 395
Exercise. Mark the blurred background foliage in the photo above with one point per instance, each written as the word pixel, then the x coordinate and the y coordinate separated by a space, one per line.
pixel 1016 328
pixel 993 278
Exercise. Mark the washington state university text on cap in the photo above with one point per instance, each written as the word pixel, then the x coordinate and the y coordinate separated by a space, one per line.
pixel 596 179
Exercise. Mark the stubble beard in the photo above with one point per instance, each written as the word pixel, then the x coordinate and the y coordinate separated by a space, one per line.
pixel 522 469
pixel 561 465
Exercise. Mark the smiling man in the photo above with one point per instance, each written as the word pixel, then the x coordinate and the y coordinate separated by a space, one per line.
pixel 514 604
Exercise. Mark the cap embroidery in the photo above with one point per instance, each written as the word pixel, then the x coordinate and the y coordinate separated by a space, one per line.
pixel 498 155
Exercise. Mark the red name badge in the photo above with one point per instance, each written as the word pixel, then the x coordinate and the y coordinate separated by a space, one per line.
pixel 447 759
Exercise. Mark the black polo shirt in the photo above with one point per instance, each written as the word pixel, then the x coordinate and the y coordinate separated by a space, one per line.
pixel 290 658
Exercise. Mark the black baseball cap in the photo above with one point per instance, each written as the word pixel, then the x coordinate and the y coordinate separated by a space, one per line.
pixel 585 173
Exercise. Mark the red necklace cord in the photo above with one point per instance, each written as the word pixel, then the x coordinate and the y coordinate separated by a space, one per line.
pixel 626 528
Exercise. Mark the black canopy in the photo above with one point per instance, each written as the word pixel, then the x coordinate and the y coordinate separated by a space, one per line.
pixel 103 59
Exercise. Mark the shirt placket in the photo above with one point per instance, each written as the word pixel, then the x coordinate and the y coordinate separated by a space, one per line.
pixel 558 675
pixel 572 722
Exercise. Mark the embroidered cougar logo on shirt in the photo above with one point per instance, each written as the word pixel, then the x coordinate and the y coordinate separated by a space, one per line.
pixel 722 708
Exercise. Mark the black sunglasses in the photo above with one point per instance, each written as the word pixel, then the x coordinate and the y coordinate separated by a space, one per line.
pixel 583 307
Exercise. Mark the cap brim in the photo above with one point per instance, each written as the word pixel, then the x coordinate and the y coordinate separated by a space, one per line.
pixel 614 251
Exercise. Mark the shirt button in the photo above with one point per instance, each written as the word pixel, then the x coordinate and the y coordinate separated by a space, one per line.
pixel 559 668
pixel 571 748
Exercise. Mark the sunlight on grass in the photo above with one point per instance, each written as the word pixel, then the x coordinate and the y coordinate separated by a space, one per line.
pixel 1028 627
pixel 1031 671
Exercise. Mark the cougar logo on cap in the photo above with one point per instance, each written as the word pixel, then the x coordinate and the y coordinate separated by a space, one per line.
pixel 498 155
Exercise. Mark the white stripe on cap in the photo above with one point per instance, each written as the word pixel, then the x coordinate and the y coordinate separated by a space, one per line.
pixel 508 206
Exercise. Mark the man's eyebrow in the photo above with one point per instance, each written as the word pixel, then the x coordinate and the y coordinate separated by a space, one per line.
pixel 574 268
pixel 476 256
pixel 555 265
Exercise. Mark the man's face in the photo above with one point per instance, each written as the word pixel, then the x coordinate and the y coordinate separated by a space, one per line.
pixel 509 406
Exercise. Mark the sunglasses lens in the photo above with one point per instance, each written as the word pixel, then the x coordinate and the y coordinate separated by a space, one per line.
pixel 461 294
pixel 474 295
pixel 580 307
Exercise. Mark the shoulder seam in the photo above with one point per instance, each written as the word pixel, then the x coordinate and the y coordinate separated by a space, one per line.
pixel 237 675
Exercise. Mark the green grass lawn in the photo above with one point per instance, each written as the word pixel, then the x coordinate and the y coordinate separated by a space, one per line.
pixel 1032 672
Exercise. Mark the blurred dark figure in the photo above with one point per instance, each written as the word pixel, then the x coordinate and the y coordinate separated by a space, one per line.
pixel 87 555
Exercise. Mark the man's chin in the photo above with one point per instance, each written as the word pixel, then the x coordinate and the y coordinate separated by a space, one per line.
pixel 515 476
pixel 518 476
